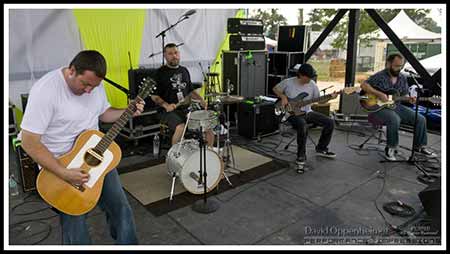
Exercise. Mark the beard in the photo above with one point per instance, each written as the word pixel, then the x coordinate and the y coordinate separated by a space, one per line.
pixel 173 63
pixel 394 73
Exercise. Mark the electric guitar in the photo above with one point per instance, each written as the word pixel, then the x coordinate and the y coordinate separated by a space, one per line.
pixel 294 105
pixel 371 103
pixel 94 152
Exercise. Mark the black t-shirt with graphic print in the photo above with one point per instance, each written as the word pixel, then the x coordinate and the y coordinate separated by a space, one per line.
pixel 170 81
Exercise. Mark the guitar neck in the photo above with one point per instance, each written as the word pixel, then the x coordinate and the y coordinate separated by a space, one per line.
pixel 310 101
pixel 406 99
pixel 112 133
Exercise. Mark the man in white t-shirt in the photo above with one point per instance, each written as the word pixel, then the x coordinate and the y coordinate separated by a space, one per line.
pixel 291 88
pixel 61 105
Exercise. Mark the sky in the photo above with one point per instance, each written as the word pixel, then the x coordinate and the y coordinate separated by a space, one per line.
pixel 291 15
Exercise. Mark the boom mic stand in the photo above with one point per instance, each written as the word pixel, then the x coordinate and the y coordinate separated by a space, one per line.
pixel 203 206
pixel 425 177
pixel 163 33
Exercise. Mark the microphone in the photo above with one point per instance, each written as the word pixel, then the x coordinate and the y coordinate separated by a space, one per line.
pixel 323 90
pixel 189 13
pixel 411 72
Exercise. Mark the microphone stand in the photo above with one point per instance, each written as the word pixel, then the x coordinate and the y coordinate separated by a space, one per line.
pixel 160 52
pixel 426 177
pixel 163 34
pixel 203 206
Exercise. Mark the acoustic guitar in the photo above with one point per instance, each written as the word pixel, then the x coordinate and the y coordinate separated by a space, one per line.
pixel 94 152
pixel 371 103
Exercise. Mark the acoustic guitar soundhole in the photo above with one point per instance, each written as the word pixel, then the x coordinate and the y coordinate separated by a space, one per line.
pixel 92 158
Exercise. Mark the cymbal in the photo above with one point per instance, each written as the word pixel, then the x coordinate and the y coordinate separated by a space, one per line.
pixel 215 94
pixel 231 99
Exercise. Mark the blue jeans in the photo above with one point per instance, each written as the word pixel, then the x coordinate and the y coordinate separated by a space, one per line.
pixel 402 114
pixel 119 216
pixel 300 124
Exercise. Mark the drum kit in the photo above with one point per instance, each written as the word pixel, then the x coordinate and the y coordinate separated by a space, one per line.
pixel 200 169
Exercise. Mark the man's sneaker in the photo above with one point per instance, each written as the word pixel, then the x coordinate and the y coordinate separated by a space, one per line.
pixel 325 153
pixel 389 153
pixel 426 152
pixel 300 162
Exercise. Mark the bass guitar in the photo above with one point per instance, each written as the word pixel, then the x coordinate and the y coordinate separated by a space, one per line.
pixel 294 105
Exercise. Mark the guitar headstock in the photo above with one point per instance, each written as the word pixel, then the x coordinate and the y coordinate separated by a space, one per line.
pixel 436 100
pixel 350 90
pixel 147 87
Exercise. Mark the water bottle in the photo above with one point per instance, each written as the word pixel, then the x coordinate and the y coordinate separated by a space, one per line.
pixel 13 188
pixel 156 145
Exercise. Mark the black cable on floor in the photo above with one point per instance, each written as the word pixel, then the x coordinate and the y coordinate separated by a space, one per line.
pixel 38 220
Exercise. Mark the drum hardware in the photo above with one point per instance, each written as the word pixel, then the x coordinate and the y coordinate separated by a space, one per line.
pixel 226 100
pixel 205 119
pixel 181 158
pixel 203 206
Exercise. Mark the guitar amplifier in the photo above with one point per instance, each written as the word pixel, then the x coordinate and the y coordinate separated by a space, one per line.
pixel 245 26
pixel 257 119
pixel 28 170
pixel 135 77
pixel 247 42
pixel 293 38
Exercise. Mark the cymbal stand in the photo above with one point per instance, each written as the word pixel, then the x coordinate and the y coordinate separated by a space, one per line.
pixel 218 130
pixel 228 148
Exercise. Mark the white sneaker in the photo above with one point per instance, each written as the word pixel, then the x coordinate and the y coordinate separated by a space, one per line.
pixel 218 151
pixel 389 153
pixel 223 130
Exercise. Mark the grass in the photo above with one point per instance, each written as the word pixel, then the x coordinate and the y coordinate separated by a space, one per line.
pixel 323 72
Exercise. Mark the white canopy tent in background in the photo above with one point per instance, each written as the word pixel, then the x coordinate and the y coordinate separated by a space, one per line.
pixel 405 28
pixel 431 64
pixel 41 40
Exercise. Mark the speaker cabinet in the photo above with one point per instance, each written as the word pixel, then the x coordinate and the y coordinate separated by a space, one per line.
pixel 28 170
pixel 247 42
pixel 272 81
pixel 135 77
pixel 431 201
pixel 246 71
pixel 256 119
pixel 245 26
pixel 293 38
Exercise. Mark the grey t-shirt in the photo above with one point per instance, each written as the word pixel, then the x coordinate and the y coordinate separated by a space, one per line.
pixel 292 88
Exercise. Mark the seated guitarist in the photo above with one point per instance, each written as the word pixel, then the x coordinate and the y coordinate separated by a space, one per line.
pixel 291 88
pixel 61 105
pixel 173 86
pixel 383 83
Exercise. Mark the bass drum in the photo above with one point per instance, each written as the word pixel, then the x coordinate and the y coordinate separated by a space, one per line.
pixel 183 160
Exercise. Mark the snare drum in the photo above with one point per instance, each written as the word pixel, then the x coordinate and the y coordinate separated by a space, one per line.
pixel 186 166
pixel 207 119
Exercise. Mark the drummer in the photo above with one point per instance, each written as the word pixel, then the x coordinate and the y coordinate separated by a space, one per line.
pixel 173 86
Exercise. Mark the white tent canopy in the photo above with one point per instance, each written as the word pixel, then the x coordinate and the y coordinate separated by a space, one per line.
pixel 431 64
pixel 271 42
pixel 405 28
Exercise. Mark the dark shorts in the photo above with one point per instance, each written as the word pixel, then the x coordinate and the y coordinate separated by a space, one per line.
pixel 173 118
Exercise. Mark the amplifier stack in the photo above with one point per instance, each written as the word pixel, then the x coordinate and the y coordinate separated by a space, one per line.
pixel 246 34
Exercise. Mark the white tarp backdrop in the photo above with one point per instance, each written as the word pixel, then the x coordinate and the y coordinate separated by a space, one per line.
pixel 41 40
